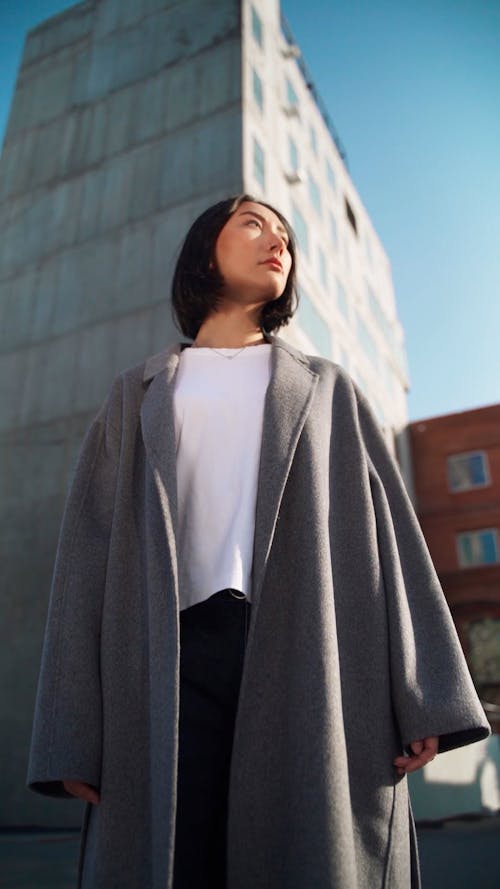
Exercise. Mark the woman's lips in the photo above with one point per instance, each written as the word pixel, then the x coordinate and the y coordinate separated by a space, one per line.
pixel 274 263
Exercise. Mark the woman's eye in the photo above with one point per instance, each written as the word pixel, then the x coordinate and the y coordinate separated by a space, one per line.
pixel 253 222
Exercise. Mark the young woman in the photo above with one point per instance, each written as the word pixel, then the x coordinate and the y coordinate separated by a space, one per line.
pixel 247 647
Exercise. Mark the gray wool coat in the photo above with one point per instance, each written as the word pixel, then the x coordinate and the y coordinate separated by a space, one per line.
pixel 351 651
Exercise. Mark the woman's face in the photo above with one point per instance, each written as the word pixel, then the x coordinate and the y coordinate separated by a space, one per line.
pixel 252 255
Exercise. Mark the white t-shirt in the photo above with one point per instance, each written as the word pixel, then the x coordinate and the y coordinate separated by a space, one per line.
pixel 218 413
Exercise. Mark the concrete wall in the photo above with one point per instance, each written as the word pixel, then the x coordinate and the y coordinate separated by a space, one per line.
pixel 125 124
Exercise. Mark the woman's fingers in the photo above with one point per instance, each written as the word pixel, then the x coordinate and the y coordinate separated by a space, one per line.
pixel 423 751
pixel 82 791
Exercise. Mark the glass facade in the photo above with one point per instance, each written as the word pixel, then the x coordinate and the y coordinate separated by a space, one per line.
pixel 313 325
pixel 334 231
pixel 258 90
pixel 257 28
pixel 314 194
pixel 344 359
pixel 389 331
pixel 342 300
pixel 368 250
pixel 367 342
pixel 313 140
pixel 330 175
pixel 300 229
pixel 259 170
pixel 291 95
pixel 323 275
pixel 293 154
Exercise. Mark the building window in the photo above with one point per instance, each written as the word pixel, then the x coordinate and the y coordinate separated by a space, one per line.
pixel 484 648
pixel 313 324
pixel 291 95
pixel 389 380
pixel 484 659
pixel 330 175
pixel 468 471
pixel 344 359
pixel 334 231
pixel 342 300
pixel 368 250
pixel 347 252
pixel 300 229
pixel 314 195
pixel 478 548
pixel 259 164
pixel 376 311
pixel 257 28
pixel 350 215
pixel 323 275
pixel 293 155
pixel 313 140
pixel 258 91
pixel 367 343
pixel 387 329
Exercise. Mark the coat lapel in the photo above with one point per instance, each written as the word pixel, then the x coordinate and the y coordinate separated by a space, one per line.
pixel 158 432
pixel 288 401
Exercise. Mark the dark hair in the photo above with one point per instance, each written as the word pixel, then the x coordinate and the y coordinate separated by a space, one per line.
pixel 197 284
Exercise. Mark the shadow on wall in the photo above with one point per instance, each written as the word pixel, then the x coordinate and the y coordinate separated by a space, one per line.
pixel 461 781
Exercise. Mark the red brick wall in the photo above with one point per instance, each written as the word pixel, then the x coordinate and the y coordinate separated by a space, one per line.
pixel 442 512
pixel 473 593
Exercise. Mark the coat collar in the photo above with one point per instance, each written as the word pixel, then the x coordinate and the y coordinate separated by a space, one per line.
pixel 287 403
pixel 156 363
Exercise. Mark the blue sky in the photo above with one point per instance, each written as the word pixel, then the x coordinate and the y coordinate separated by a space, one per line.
pixel 413 88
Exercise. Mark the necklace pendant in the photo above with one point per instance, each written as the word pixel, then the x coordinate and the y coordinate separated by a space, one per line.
pixel 229 357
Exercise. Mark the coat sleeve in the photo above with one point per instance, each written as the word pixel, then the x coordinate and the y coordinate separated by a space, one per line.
pixel 432 690
pixel 66 736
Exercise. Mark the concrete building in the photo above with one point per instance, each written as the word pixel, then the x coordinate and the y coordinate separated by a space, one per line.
pixel 293 157
pixel 130 117
pixel 456 465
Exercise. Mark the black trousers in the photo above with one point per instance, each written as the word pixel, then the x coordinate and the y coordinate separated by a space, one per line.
pixel 212 649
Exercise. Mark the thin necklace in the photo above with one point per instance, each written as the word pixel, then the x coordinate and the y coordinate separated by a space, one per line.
pixel 229 357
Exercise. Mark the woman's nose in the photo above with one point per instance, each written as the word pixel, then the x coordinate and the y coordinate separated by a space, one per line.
pixel 277 242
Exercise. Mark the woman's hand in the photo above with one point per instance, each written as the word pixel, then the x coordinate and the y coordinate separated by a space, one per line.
pixel 423 751
pixel 82 791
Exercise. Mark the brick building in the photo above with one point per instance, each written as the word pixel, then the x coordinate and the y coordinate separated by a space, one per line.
pixel 456 464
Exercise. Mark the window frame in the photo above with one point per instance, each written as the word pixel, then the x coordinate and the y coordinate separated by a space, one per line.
pixel 313 140
pixel 475 532
pixel 468 487
pixel 293 154
pixel 257 147
pixel 314 194
pixel 257 27
pixel 301 230
pixel 341 300
pixel 322 268
pixel 333 230
pixel 292 99
pixel 314 324
pixel 257 94
pixel 330 175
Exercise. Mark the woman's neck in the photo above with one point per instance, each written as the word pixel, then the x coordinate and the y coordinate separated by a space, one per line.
pixel 224 334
